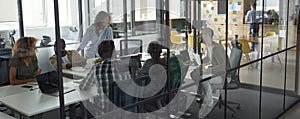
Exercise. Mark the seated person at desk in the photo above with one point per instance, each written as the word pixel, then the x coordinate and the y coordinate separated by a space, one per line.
pixel 155 51
pixel 24 64
pixel 216 55
pixel 218 59
pixel 69 57
pixel 103 74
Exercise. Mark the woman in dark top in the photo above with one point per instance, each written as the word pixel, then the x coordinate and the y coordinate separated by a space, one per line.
pixel 23 64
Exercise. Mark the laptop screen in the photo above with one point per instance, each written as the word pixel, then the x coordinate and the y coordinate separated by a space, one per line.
pixel 130 46
pixel 185 55
pixel 47 81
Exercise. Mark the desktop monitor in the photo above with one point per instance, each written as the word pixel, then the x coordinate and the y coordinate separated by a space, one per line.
pixel 130 46
pixel 184 54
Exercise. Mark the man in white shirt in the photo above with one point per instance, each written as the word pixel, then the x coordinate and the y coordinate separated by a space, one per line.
pixel 70 58
pixel 218 59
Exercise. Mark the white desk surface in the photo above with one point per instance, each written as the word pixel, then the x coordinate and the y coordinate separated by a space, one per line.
pixel 34 102
pixel 30 103
pixel 5 116
pixel 83 71
pixel 13 89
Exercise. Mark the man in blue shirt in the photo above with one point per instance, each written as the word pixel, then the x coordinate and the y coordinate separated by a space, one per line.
pixel 254 26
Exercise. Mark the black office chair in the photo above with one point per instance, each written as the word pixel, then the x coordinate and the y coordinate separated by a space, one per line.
pixel 233 76
pixel 131 46
pixel 12 38
pixel 116 96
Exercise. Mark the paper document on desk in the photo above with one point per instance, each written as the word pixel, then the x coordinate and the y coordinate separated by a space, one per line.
pixel 78 69
pixel 197 58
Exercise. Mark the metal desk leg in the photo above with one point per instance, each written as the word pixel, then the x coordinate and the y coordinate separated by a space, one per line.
pixel 83 111
pixel 72 111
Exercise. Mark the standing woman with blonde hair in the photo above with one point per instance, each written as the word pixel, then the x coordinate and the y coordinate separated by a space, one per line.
pixel 98 31
pixel 23 64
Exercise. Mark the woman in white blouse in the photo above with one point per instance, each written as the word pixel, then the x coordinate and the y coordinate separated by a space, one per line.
pixel 98 31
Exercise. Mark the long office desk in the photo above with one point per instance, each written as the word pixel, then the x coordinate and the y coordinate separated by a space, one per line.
pixel 190 91
pixel 29 103
pixel 5 116
pixel 81 72
pixel 13 89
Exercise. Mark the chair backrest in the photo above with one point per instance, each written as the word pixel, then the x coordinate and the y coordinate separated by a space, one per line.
pixel 174 38
pixel 176 68
pixel 118 97
pixel 236 44
pixel 130 46
pixel 271 33
pixel 178 72
pixel 245 46
pixel 274 41
pixel 235 60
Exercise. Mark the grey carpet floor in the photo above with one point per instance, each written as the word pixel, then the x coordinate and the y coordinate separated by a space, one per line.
pixel 272 105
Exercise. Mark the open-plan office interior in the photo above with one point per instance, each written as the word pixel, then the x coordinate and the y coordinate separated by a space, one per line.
pixel 216 59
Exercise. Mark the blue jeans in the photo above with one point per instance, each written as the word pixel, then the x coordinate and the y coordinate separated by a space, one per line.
pixel 254 28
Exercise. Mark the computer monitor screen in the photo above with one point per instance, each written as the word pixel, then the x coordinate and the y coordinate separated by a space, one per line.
pixel 130 46
pixel 184 54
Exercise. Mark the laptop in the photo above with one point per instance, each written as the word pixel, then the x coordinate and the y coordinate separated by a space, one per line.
pixel 134 63
pixel 185 55
pixel 48 84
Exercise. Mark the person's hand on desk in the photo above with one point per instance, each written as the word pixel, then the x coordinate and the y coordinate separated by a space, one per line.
pixel 78 49
pixel 68 66
pixel 37 72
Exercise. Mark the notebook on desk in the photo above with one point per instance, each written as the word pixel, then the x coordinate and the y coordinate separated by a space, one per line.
pixel 48 84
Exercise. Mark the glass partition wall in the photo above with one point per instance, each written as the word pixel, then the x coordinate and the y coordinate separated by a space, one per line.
pixel 267 75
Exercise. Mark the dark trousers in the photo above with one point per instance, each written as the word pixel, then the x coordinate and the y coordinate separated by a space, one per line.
pixel 254 28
